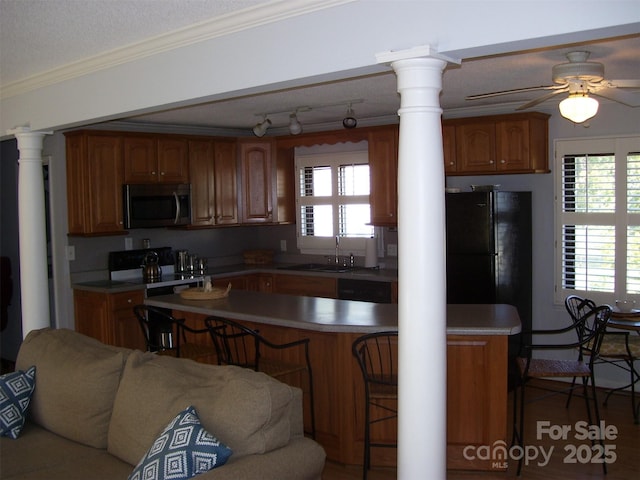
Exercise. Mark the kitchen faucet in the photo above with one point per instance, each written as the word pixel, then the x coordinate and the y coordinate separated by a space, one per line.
pixel 337 251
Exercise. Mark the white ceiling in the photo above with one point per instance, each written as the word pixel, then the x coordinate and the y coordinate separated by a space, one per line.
pixel 36 36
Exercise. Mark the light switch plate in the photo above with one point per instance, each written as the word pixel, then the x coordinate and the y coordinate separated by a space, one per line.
pixel 392 249
pixel 71 252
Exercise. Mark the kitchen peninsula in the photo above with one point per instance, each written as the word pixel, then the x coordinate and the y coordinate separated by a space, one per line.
pixel 476 362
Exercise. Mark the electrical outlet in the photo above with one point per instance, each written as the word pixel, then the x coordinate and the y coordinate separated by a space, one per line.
pixel 283 245
pixel 392 249
pixel 128 243
pixel 71 252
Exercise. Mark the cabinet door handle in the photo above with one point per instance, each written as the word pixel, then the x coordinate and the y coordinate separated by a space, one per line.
pixel 153 172
pixel 491 162
pixel 503 161
pixel 161 173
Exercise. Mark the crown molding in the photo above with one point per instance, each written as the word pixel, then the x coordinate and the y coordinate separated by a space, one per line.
pixel 216 27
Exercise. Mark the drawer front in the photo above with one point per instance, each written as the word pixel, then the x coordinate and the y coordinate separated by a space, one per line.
pixel 305 285
pixel 124 300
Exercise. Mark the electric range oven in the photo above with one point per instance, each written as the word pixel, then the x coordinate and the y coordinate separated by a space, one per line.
pixel 126 266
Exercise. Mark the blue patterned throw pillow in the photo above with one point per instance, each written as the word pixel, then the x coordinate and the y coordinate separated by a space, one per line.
pixel 15 394
pixel 183 450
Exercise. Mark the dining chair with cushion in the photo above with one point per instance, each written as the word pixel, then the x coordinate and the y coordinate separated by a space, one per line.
pixel 242 346
pixel 593 324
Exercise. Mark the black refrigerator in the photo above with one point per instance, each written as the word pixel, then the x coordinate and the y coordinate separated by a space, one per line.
pixel 489 253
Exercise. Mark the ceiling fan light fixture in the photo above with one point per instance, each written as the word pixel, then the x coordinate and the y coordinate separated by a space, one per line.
pixel 578 107
pixel 295 127
pixel 261 128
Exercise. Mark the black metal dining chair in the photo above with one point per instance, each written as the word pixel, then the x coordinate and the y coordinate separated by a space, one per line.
pixel 239 345
pixel 377 357
pixel 167 335
pixel 593 324
pixel 618 348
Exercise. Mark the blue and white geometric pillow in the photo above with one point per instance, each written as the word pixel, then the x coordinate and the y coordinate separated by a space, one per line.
pixel 183 450
pixel 15 394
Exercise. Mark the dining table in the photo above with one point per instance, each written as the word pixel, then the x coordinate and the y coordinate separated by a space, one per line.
pixel 628 321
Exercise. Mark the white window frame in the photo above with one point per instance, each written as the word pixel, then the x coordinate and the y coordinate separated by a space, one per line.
pixel 620 146
pixel 327 245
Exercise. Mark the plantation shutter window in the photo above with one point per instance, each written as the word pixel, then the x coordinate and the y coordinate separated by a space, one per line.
pixel 598 218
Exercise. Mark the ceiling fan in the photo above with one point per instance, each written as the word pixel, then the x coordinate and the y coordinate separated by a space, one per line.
pixel 580 78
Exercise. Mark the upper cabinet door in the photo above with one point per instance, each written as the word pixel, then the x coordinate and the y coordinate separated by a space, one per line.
pixel 140 159
pixel 512 145
pixel 449 148
pixel 226 182
pixel 173 160
pixel 94 183
pixel 256 173
pixel 383 169
pixel 202 182
pixel 476 147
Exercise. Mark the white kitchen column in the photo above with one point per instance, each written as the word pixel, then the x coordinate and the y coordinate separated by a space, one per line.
pixel 422 388
pixel 34 282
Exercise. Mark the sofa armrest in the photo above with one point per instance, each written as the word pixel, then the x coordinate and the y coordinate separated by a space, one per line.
pixel 301 459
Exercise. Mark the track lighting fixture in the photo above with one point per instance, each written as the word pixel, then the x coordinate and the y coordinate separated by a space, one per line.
pixel 350 119
pixel 261 128
pixel 295 127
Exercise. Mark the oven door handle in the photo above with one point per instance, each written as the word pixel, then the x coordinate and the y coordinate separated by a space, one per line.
pixel 175 221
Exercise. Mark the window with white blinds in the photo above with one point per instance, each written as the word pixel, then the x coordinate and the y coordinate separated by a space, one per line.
pixel 332 195
pixel 598 218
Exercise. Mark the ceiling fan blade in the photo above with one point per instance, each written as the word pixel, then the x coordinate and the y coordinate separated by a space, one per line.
pixel 541 99
pixel 625 83
pixel 515 90
pixel 621 96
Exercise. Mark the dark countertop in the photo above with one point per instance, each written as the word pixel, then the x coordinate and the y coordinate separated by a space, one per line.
pixel 346 316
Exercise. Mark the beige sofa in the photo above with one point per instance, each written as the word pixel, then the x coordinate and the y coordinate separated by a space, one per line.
pixel 97 409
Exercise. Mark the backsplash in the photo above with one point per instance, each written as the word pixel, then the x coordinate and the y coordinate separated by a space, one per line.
pixel 221 246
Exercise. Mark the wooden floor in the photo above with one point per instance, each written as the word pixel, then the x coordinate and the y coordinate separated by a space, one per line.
pixel 550 407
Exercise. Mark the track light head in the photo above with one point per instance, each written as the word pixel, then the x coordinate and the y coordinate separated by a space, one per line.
pixel 295 127
pixel 350 120
pixel 261 128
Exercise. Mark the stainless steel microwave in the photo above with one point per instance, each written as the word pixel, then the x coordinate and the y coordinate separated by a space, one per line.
pixel 157 205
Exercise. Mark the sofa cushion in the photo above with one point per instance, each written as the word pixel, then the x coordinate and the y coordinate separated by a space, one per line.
pixel 40 454
pixel 15 394
pixel 77 382
pixel 248 411
pixel 183 450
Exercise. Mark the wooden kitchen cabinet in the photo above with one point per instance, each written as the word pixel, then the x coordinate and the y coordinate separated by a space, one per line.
pixel 307 285
pixel 515 143
pixel 226 182
pixel 449 148
pixel 173 160
pixel 154 158
pixel 238 282
pixel 256 172
pixel 109 317
pixel 383 170
pixel 260 282
pixel 94 183
pixel 213 173
pixel 476 397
